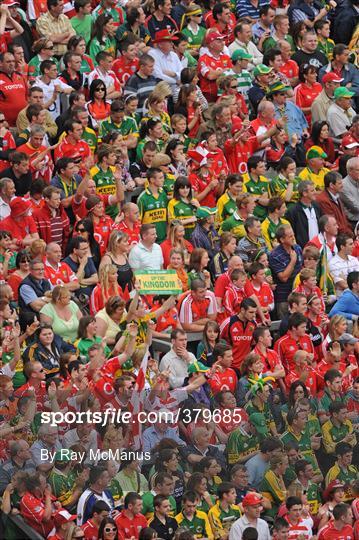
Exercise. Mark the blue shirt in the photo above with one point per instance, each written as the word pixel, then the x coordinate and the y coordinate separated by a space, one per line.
pixel 296 122
pixel 347 305
pixel 278 261
pixel 245 8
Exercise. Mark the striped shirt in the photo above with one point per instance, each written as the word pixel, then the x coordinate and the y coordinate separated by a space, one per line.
pixel 245 8
pixel 47 26
pixel 192 310
pixel 142 88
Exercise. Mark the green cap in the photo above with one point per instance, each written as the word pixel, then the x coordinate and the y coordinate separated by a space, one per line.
pixel 204 212
pixel 316 152
pixel 197 367
pixel 341 92
pixel 259 422
pixel 62 455
pixel 277 86
pixel 261 69
pixel 241 54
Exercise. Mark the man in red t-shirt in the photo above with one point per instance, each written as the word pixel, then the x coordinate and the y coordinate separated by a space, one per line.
pixel 294 340
pixel 74 147
pixel 100 511
pixel 212 64
pixel 36 505
pixel 130 521
pixel 238 331
pixel 128 63
pixel 224 377
pixel 57 272
pixel 131 223
pixel 13 89
pixel 20 224
pixel 341 527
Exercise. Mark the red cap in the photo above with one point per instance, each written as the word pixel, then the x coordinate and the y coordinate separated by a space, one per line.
pixel 251 499
pixel 164 35
pixel 213 35
pixel 335 484
pixel 199 155
pixel 19 206
pixel 349 142
pixel 10 3
pixel 63 516
pixel 331 77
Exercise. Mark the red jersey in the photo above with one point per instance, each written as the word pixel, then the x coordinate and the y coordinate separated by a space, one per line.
pixel 232 299
pixel 102 231
pixel 133 234
pixel 226 379
pixel 7 143
pixel 128 528
pixel 90 530
pixel 270 359
pixel 305 95
pixel 62 274
pixel 236 417
pixel 47 167
pixel 79 151
pixel 79 208
pixel 239 335
pixel 300 529
pixel 329 532
pixel 199 184
pixel 32 510
pixel 315 290
pixel 124 70
pixel 40 394
pixel 13 96
pixel 218 162
pixel 191 310
pixel 287 346
pixel 206 63
pixel 237 154
pixel 222 282
pixel 19 229
pixel 264 295
pixel 289 69
pixel 311 383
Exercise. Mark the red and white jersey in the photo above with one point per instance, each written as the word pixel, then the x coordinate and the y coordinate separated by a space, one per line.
pixel 206 63
pixel 109 78
pixel 232 300
pixel 192 310
pixel 133 234
pixel 270 359
pixel 124 70
pixel 329 532
pixel 287 346
pixel 7 143
pixel 302 529
pixel 60 275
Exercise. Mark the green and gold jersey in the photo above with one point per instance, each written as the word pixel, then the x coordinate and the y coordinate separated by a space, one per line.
pixel 90 137
pixel 105 185
pixel 269 231
pixel 154 210
pixel 62 485
pixel 226 206
pixel 332 434
pixel 116 491
pixel 198 525
pixel 304 443
pixel 251 408
pixel 168 184
pixel 326 46
pixel 240 446
pixel 128 126
pixel 148 508
pixel 257 188
pixel 235 225
pixel 182 210
pixel 347 476
pixel 195 40
pixel 19 378
pixel 272 487
pixel 279 185
pixel 221 520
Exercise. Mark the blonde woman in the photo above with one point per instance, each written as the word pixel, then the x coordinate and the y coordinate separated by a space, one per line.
pixel 157 108
pixel 37 249
pixel 106 288
pixel 62 314
pixel 117 255
pixel 337 327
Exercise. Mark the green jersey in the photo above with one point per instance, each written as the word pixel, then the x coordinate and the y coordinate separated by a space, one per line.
pixel 82 27
pixel 271 43
pixel 62 485
pixel 153 209
pixel 333 434
pixel 34 66
pixel 182 210
pixel 226 206
pixel 252 408
pixel 19 378
pixel 235 225
pixel 128 126
pixel 240 446
pixel 108 45
pixel 82 345
pixel 259 187
pixel 304 443
pixel 195 39
pixel 160 144
pixel 269 231
pixel 222 520
pixel 105 185
pixel 116 491
pixel 279 185
pixel 12 261
pixel 272 487
pixel 148 508
pixel 326 46
pixel 198 525
pixel 168 184
pixel 90 137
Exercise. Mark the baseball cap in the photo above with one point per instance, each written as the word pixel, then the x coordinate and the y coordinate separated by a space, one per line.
pixel 261 69
pixel 334 484
pixel 205 212
pixel 251 499
pixel 348 338
pixel 259 422
pixel 19 206
pixel 349 142
pixel 241 54
pixel 277 86
pixel 343 92
pixel 212 36
pixel 63 516
pixel 197 367
pixel 331 77
pixel 316 152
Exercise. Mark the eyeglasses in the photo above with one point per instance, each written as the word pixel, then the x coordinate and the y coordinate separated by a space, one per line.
pixel 110 529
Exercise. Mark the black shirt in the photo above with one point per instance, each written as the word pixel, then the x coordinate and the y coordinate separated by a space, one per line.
pixel 165 531
pixel 22 184
pixel 316 59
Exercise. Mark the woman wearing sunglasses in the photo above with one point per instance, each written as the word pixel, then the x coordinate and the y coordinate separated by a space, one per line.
pixel 108 530
pixel 44 50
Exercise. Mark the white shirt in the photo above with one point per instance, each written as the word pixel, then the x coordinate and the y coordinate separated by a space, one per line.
pixel 339 120
pixel 48 89
pixel 313 229
pixel 340 268
pixel 250 48
pixel 166 62
pixel 177 366
pixel 109 78
pixel 142 258
pixel 4 209
pixel 242 523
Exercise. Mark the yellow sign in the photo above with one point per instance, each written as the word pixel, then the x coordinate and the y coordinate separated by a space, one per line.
pixel 159 282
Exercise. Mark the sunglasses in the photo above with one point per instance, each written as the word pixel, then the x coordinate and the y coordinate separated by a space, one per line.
pixel 100 89
pixel 49 48
pixel 235 87
pixel 110 529
pixel 81 230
